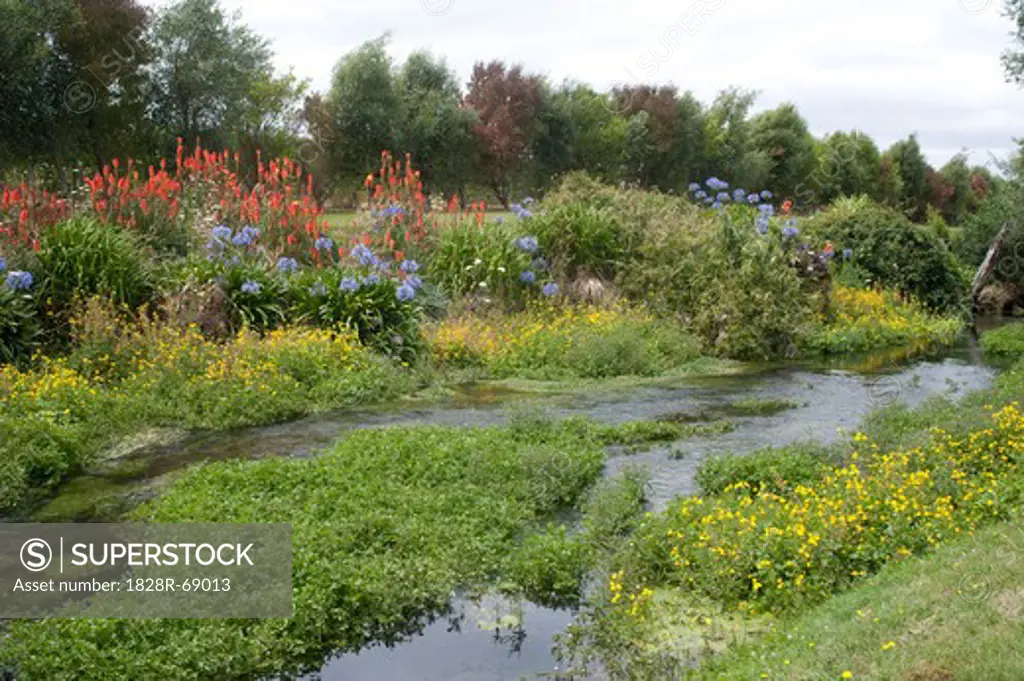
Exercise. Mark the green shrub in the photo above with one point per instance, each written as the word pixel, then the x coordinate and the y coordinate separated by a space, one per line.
pixel 83 257
pixel 373 310
pixel 580 239
pixel 550 568
pixel 465 258
pixel 19 326
pixel 896 253
pixel 772 470
pixel 1007 340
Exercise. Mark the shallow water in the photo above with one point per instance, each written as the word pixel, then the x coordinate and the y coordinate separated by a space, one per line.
pixel 830 397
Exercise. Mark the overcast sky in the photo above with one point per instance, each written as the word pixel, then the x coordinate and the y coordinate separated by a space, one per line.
pixel 888 67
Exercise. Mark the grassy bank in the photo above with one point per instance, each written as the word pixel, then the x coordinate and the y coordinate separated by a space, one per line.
pixel 386 526
pixel 777 533
pixel 954 615
pixel 58 417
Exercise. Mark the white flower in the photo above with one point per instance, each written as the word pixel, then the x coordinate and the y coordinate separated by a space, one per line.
pixel 502 270
pixel 482 284
pixel 478 261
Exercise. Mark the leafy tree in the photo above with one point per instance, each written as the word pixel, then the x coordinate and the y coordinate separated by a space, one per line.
pixel 365 109
pixel 662 122
pixel 954 181
pixel 507 102
pixel 1013 59
pixel 437 130
pixel 781 136
pixel 849 164
pixel 599 136
pixel 207 67
pixel 727 135
pixel 913 169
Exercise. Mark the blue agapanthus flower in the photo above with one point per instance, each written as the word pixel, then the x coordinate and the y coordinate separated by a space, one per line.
pixel 790 231
pixel 716 205
pixel 539 264
pixel 528 200
pixel 528 244
pixel 371 280
pixel 738 194
pixel 527 277
pixel 715 184
pixel 318 290
pixel 414 281
pixel 766 209
pixel 766 195
pixel 251 287
pixel 709 200
pixel 693 186
pixel 3 264
pixel 349 284
pixel 323 243
pixel 221 233
pixel 19 281
pixel 391 211
pixel 753 198
pixel 405 292
pixel 723 196
pixel 700 194
pixel 287 265
pixel 847 253
pixel 761 224
pixel 550 289
pixel 241 239
pixel 410 266
pixel 364 255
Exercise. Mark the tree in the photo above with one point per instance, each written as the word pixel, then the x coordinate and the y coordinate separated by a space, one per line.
pixel 207 67
pixel 849 164
pixel 1013 59
pixel 365 109
pixel 727 135
pixel 507 103
pixel 954 181
pixel 781 136
pixel 599 136
pixel 662 124
pixel 436 129
pixel 913 169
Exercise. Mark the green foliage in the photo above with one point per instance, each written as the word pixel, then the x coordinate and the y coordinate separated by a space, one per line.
pixel 128 375
pixel 1007 340
pixel 385 527
pixel 383 322
pixel 580 239
pixel 771 470
pixel 781 136
pixel 19 326
pixel 83 257
pixel 550 568
pixel 897 253
pixel 463 256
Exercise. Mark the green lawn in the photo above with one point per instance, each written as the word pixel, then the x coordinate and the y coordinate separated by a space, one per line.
pixel 340 222
pixel 955 615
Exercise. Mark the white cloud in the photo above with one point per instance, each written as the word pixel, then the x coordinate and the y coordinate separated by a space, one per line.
pixel 887 67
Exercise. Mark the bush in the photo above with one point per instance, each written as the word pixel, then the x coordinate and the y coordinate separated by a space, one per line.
pixel 1007 341
pixel 555 343
pixel 373 310
pixel 465 258
pixel 550 568
pixel 897 253
pixel 19 326
pixel 581 240
pixel 771 470
pixel 867 319
pixel 83 257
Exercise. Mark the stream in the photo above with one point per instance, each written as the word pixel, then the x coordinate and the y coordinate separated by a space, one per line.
pixel 496 640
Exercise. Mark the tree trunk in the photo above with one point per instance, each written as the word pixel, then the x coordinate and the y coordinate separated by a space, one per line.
pixel 987 266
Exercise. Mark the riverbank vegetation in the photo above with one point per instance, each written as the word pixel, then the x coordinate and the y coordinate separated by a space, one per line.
pixel 779 532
